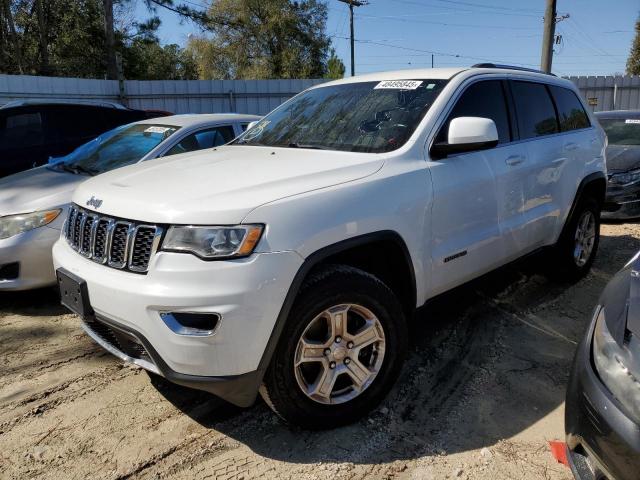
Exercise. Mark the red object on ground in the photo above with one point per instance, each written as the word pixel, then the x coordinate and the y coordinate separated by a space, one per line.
pixel 559 451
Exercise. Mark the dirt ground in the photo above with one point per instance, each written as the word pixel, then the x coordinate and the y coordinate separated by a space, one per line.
pixel 480 396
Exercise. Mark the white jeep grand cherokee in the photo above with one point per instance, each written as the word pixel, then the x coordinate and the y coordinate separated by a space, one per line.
pixel 290 261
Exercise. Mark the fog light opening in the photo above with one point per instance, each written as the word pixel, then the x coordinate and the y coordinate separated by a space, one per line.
pixel 191 323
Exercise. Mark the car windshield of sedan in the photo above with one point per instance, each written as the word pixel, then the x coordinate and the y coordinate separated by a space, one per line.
pixel 373 117
pixel 621 131
pixel 114 149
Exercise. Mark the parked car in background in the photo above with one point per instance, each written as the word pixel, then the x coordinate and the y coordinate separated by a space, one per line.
pixel 623 163
pixel 32 131
pixel 292 263
pixel 33 203
pixel 603 397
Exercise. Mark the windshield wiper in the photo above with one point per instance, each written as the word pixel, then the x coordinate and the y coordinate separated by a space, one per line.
pixel 303 145
pixel 77 169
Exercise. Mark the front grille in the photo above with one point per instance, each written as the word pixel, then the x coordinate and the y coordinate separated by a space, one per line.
pixel 120 244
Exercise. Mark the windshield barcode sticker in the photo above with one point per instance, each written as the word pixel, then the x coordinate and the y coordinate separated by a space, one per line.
pixel 632 120
pixel 156 129
pixel 399 84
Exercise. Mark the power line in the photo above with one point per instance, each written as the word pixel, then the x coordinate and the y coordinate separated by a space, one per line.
pixel 445 24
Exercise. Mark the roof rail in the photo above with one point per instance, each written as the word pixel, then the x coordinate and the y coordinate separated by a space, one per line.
pixel 509 67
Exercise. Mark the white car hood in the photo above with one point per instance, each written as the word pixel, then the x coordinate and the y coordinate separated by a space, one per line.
pixel 218 186
pixel 36 189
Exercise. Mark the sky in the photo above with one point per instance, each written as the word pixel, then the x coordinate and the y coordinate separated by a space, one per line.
pixel 396 34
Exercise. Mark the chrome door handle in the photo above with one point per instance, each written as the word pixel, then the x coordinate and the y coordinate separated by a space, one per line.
pixel 514 160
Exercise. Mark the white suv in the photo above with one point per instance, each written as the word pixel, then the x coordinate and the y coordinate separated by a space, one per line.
pixel 290 261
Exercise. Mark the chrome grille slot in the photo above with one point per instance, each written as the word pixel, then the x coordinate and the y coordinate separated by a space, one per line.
pixel 77 223
pixel 86 236
pixel 100 240
pixel 120 244
pixel 143 241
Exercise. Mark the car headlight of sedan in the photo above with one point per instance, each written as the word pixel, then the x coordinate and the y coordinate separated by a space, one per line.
pixel 213 242
pixel 11 225
pixel 625 178
pixel 615 366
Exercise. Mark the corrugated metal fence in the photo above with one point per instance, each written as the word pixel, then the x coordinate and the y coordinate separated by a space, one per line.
pixel 178 96
pixel 610 93
pixel 246 96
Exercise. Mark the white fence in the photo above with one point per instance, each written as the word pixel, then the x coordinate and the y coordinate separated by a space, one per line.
pixel 610 93
pixel 177 96
pixel 247 96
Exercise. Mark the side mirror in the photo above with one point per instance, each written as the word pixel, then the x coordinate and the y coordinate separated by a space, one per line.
pixel 467 134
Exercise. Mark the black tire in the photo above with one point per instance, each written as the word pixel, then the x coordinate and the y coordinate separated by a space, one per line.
pixel 330 286
pixel 565 267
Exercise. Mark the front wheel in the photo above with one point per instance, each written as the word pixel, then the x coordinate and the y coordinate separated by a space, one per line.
pixel 340 352
pixel 577 247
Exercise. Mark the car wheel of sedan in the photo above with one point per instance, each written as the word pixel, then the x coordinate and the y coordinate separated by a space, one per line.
pixel 340 352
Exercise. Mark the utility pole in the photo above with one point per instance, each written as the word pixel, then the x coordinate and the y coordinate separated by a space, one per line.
pixel 353 3
pixel 547 36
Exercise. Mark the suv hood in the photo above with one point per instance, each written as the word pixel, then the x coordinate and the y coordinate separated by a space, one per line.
pixel 622 158
pixel 36 189
pixel 218 186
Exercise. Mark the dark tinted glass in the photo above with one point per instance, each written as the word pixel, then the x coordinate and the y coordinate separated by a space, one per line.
pixel 212 137
pixel 483 99
pixel 74 122
pixel 570 110
pixel 370 117
pixel 21 129
pixel 536 114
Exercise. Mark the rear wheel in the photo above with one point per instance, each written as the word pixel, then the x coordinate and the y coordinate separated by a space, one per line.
pixel 577 247
pixel 340 352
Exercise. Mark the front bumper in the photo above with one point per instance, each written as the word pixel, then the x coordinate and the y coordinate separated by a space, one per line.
pixel 32 251
pixel 602 442
pixel 622 203
pixel 247 293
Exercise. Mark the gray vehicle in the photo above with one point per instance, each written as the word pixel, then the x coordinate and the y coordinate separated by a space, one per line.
pixel 623 163
pixel 32 202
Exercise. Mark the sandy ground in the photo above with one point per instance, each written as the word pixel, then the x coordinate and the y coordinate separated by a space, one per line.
pixel 481 395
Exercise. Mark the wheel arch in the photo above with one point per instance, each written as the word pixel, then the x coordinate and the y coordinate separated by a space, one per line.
pixel 327 255
pixel 594 184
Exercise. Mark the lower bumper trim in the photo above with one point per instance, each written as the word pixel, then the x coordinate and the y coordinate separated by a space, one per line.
pixel 240 390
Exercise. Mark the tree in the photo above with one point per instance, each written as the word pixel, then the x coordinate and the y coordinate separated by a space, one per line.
pixel 263 39
pixel 110 36
pixel 335 67
pixel 633 63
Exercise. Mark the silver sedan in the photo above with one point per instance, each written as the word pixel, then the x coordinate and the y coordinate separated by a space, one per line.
pixel 33 203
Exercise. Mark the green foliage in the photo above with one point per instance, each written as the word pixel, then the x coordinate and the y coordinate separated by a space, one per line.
pixel 75 42
pixel 263 39
pixel 335 67
pixel 633 63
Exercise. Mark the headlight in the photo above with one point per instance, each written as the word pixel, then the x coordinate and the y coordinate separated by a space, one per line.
pixel 14 224
pixel 612 364
pixel 626 178
pixel 213 242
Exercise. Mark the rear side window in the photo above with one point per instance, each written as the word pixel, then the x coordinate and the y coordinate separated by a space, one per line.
pixel 21 129
pixel 213 137
pixel 536 113
pixel 74 123
pixel 570 111
pixel 482 99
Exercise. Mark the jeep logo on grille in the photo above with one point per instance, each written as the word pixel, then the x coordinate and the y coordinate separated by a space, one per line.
pixel 94 202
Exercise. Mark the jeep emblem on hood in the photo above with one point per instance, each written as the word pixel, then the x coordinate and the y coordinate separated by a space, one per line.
pixel 94 202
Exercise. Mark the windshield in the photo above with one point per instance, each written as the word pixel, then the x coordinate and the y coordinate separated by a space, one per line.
pixel 621 131
pixel 116 148
pixel 370 117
